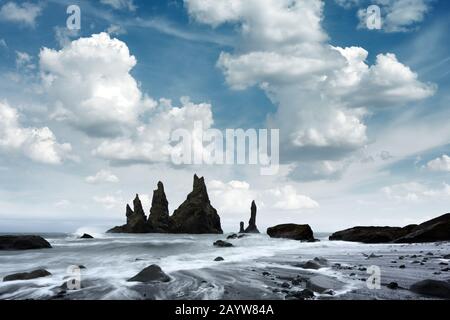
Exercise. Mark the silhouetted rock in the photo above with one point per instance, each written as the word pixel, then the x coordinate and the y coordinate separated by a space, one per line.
pixel 252 222
pixel 300 295
pixel 241 227
pixel 136 220
pixel 371 234
pixel 219 259
pixel 437 229
pixel 159 212
pixel 86 236
pixel 196 215
pixel 433 288
pixel 300 232
pixel 232 236
pixel 221 243
pixel 27 275
pixel 150 274
pixel 24 242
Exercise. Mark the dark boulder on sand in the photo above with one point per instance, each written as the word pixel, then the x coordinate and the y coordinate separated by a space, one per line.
pixel 136 220
pixel 302 232
pixel 223 244
pixel 432 288
pixel 27 275
pixel 322 284
pixel 25 242
pixel 158 219
pixel 196 215
pixel 252 228
pixel 437 229
pixel 86 236
pixel 150 274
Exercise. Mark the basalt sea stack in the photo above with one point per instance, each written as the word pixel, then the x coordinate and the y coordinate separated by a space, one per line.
pixel 158 219
pixel 196 215
pixel 252 222
pixel 136 220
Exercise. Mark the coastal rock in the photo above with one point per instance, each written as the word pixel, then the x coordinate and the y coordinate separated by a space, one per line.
pixel 136 220
pixel 310 264
pixel 196 215
pixel 321 284
pixel 25 242
pixel 371 234
pixel 219 259
pixel 232 236
pixel 27 275
pixel 433 288
pixel 241 227
pixel 252 222
pixel 86 236
pixel 150 274
pixel 300 295
pixel 223 244
pixel 302 232
pixel 437 229
pixel 158 219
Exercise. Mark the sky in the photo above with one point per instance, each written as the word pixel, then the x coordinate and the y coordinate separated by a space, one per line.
pixel 86 115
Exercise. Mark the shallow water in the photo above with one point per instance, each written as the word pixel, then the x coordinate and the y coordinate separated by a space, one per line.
pixel 111 259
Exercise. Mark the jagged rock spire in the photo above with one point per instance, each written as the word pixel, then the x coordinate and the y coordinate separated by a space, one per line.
pixel 252 222
pixel 241 227
pixel 159 212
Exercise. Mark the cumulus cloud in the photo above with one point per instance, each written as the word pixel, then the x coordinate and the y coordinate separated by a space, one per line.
pixel 37 144
pixel 323 93
pixel 90 83
pixel 103 176
pixel 25 13
pixel 120 4
pixel 151 141
pixel 319 170
pixel 439 164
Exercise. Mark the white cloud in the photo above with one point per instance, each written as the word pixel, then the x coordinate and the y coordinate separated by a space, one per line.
pixel 151 141
pixel 319 170
pixel 38 144
pixel 25 13
pixel 103 176
pixel 62 204
pixel 109 201
pixel 287 198
pixel 115 29
pixel 90 79
pixel 322 93
pixel 439 164
pixel 414 192
pixel 24 60
pixel 64 36
pixel 120 4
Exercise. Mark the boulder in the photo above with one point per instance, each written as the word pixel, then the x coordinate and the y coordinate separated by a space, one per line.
pixel 301 295
pixel 252 222
pixel 219 259
pixel 302 232
pixel 27 275
pixel 196 215
pixel 232 236
pixel 371 234
pixel 86 236
pixel 152 273
pixel 432 288
pixel 158 219
pixel 310 264
pixel 223 244
pixel 322 284
pixel 437 229
pixel 24 242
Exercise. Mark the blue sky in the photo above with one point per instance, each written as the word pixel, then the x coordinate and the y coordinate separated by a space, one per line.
pixel 362 113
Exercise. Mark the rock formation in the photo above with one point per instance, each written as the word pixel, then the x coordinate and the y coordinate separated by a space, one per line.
pixel 196 215
pixel 40 273
pixel 86 236
pixel 252 222
pixel 437 229
pixel 158 219
pixel 136 220
pixel 241 227
pixel 24 242
pixel 302 232
pixel 152 273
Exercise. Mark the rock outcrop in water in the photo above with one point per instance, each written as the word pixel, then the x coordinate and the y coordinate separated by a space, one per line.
pixel 252 222
pixel 196 215
pixel 152 273
pixel 136 220
pixel 302 232
pixel 27 275
pixel 241 227
pixel 158 219
pixel 437 229
pixel 24 242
